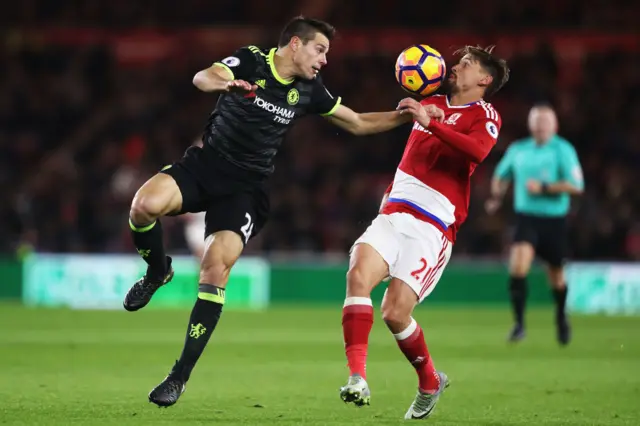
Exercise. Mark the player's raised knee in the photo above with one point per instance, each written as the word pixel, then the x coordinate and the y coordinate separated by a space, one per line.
pixel 146 208
pixel 395 316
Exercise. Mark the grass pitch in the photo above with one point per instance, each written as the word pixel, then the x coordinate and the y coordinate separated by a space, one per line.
pixel 284 367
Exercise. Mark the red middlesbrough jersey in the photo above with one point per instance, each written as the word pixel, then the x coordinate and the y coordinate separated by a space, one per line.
pixel 432 181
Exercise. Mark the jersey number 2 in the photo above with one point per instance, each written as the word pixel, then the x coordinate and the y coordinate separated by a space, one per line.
pixel 247 228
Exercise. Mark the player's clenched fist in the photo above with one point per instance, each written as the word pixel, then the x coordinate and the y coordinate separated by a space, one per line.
pixel 434 112
pixel 240 86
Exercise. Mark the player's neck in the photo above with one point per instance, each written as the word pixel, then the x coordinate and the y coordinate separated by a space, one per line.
pixel 283 64
pixel 464 98
pixel 541 142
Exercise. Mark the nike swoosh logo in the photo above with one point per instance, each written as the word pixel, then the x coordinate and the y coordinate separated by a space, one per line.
pixel 424 415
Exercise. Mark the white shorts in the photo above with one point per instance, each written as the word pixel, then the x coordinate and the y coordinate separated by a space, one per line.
pixel 417 252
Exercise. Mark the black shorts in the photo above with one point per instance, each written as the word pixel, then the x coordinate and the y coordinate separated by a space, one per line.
pixel 548 236
pixel 233 199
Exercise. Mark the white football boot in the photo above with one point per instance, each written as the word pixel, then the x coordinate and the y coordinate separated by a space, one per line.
pixel 423 405
pixel 356 390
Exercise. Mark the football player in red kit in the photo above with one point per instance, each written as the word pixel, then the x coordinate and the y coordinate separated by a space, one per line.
pixel 410 240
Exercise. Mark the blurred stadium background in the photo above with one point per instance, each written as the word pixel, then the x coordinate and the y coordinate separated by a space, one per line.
pixel 96 96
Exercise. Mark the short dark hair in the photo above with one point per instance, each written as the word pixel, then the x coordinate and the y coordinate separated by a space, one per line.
pixel 494 66
pixel 305 29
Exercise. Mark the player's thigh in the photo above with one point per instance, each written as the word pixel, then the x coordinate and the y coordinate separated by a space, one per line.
pixel 159 196
pixel 554 258
pixel 523 249
pixel 424 254
pixel 230 222
pixel 371 257
pixel 521 256
pixel 553 250
pixel 367 268
pixel 244 213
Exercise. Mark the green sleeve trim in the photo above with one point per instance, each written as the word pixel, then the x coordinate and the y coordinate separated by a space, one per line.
pixel 221 65
pixel 333 110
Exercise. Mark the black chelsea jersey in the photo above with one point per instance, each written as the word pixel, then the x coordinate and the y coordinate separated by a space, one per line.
pixel 247 129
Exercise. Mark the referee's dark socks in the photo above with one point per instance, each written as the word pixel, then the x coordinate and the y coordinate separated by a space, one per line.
pixel 148 241
pixel 560 297
pixel 204 318
pixel 518 294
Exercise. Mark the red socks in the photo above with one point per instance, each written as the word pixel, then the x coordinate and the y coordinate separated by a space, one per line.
pixel 357 320
pixel 413 346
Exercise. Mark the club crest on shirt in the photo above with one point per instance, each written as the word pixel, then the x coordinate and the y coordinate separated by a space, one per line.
pixel 453 118
pixel 293 96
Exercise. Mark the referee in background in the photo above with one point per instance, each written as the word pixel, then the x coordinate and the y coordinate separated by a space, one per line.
pixel 545 171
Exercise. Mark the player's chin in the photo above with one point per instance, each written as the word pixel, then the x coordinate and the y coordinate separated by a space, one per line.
pixel 313 73
pixel 449 85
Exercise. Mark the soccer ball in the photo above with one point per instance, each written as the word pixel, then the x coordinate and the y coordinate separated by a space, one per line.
pixel 420 69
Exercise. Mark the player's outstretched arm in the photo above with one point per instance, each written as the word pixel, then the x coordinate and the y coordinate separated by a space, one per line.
pixel 219 79
pixel 367 123
pixel 476 145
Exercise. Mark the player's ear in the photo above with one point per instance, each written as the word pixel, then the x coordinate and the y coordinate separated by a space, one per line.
pixel 295 42
pixel 486 80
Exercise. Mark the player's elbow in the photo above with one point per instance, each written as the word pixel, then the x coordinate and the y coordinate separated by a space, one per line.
pixel 571 188
pixel 198 80
pixel 357 127
pixel 477 156
pixel 201 81
pixel 357 131
pixel 480 151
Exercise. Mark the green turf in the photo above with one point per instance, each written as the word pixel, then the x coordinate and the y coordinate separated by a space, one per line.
pixel 284 367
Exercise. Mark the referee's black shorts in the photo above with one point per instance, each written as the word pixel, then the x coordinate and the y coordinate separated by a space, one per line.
pixel 548 236
pixel 234 199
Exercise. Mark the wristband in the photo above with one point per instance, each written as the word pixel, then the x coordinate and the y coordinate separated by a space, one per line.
pixel 544 188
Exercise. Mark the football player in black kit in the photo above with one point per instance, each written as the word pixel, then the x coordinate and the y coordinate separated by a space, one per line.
pixel 262 92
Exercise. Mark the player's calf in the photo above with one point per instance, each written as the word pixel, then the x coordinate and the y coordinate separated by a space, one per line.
pixel 521 256
pixel 366 270
pixel 222 251
pixel 159 196
pixel 397 305
pixel 559 291
pixel 518 298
